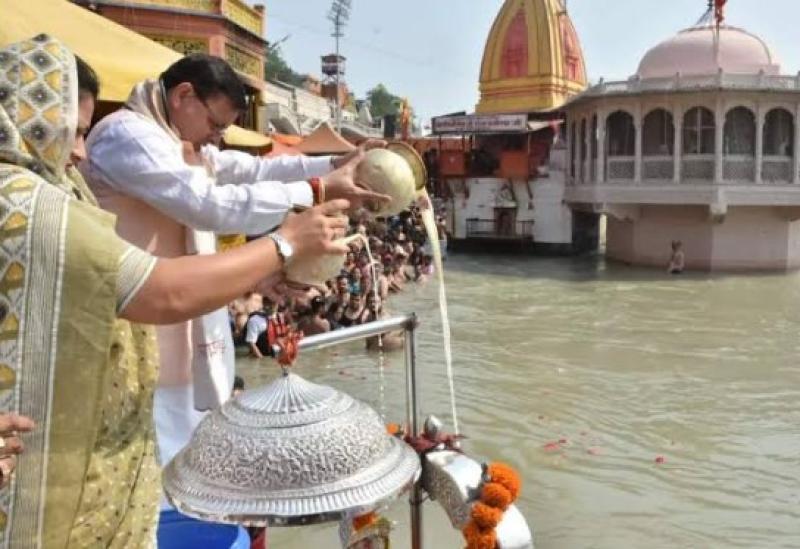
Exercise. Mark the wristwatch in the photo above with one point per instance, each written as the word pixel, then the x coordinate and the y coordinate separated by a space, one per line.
pixel 285 250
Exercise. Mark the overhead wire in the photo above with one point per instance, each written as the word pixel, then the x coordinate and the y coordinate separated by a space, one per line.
pixel 373 48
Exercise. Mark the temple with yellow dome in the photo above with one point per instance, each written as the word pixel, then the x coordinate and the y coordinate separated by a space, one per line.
pixel 533 59
pixel 502 168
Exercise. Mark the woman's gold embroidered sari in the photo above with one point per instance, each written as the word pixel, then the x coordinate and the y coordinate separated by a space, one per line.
pixel 88 476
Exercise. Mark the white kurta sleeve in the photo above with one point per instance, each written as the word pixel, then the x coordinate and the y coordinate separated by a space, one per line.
pixel 135 157
pixel 238 167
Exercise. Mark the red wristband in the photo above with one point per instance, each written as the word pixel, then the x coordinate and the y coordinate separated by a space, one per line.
pixel 316 190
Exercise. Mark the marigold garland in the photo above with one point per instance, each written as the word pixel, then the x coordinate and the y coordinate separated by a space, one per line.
pixel 486 517
pixel 479 539
pixel 501 488
pixel 505 475
pixel 495 495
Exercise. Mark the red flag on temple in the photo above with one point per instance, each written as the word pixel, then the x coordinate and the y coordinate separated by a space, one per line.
pixel 719 11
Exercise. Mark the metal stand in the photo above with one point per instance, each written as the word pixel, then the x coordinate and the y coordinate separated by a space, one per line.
pixel 408 323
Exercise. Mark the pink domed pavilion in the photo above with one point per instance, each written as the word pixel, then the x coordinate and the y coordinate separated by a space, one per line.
pixel 701 145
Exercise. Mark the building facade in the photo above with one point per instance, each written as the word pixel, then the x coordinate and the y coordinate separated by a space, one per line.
pixel 229 29
pixel 234 31
pixel 700 146
pixel 506 178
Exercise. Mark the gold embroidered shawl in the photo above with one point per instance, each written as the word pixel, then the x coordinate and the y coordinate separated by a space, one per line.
pixel 87 477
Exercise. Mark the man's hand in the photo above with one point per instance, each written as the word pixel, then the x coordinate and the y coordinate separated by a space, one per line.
pixel 254 350
pixel 278 290
pixel 10 427
pixel 365 146
pixel 312 232
pixel 341 183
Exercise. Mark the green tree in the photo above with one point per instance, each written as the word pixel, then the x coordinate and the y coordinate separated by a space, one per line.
pixel 382 102
pixel 276 68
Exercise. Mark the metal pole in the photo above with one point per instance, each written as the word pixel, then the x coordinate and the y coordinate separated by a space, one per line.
pixel 354 333
pixel 409 324
pixel 412 413
pixel 338 71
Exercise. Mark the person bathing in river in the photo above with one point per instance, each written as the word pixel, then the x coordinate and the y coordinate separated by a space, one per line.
pixel 315 322
pixel 374 311
pixel 677 259
pixel 352 313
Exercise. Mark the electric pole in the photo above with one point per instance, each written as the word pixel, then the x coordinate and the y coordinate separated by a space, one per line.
pixel 339 15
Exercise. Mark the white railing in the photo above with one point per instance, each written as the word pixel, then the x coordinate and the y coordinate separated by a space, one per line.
pixel 361 129
pixel 282 118
pixel 280 95
pixel 658 167
pixel 739 168
pixel 621 168
pixel 698 82
pixel 776 169
pixel 697 167
pixel 311 105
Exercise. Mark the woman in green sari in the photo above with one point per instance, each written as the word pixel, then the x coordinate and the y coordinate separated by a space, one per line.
pixel 68 360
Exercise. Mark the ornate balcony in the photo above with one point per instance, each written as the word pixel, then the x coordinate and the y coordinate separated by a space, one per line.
pixel 659 168
pixel 698 167
pixel 621 168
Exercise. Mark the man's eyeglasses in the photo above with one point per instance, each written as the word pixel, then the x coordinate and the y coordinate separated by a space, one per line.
pixel 216 127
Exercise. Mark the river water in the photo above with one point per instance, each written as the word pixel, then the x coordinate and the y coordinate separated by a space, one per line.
pixel 627 368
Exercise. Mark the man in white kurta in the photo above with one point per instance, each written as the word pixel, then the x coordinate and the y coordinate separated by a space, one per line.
pixel 137 168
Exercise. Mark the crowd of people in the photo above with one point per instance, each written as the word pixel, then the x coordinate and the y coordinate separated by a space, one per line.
pixel 392 253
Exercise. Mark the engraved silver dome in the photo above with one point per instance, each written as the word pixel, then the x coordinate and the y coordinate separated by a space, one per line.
pixel 292 452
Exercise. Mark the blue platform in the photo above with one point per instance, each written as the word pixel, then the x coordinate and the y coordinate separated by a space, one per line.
pixel 177 531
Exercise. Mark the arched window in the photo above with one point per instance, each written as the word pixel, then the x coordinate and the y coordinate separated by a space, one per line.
pixel 698 131
pixel 582 165
pixel 620 134
pixel 583 140
pixel 658 133
pixel 779 133
pixel 573 142
pixel 593 138
pixel 740 132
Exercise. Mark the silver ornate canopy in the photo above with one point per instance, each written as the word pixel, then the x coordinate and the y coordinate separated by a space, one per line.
pixel 290 453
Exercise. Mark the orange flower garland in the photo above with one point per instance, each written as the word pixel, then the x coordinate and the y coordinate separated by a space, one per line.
pixel 497 493
pixel 479 539
pixel 363 521
pixel 486 517
pixel 506 476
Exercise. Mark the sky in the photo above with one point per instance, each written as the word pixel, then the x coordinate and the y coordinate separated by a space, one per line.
pixel 430 50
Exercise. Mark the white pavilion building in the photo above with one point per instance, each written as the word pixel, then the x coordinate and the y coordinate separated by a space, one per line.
pixel 701 145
